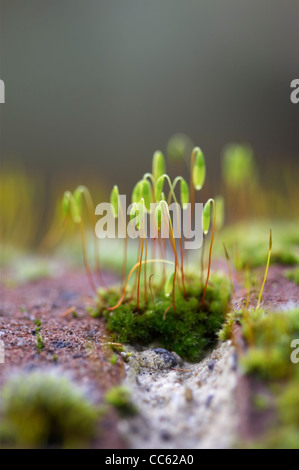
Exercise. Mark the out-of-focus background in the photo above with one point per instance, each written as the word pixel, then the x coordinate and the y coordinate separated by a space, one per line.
pixel 94 87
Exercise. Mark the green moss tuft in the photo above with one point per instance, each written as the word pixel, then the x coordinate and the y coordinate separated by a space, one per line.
pixel 189 331
pixel 285 435
pixel 113 359
pixel 293 275
pixel 39 343
pixel 266 363
pixel 39 339
pixel 288 402
pixel 247 243
pixel 120 398
pixel 40 409
pixel 226 331
pixel 272 333
pixel 268 358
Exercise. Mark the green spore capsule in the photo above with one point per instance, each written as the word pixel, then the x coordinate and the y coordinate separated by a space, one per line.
pixel 137 213
pixel 199 170
pixel 146 194
pixel 168 287
pixel 137 192
pixel 158 167
pixel 184 189
pixel 66 203
pixel 206 216
pixel 78 198
pixel 159 187
pixel 114 200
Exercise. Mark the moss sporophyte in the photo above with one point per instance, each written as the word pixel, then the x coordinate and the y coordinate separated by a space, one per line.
pixel 163 296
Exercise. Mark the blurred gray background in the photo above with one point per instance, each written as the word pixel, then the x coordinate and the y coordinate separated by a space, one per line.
pixel 95 86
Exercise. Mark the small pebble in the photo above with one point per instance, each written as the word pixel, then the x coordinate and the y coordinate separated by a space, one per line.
pixel 188 394
pixel 178 359
pixel 167 357
pixel 234 366
pixel 165 435
pixel 59 344
pixel 209 400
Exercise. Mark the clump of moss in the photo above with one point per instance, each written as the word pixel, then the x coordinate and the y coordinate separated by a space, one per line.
pixel 39 339
pixel 280 438
pixel 183 318
pixel 288 402
pixel 226 332
pixel 189 331
pixel 39 343
pixel 246 242
pixel 40 409
pixel 271 334
pixel 113 359
pixel 268 336
pixel 285 434
pixel 268 358
pixel 261 402
pixel 265 363
pixel 293 275
pixel 120 398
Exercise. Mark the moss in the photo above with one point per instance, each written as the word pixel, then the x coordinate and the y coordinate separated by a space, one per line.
pixel 269 336
pixel 265 363
pixel 40 409
pixel 285 433
pixel 32 268
pixel 282 438
pixel 39 343
pixel 288 403
pixel 269 358
pixel 226 331
pixel 113 359
pixel 251 248
pixel 293 275
pixel 261 402
pixel 39 339
pixel 120 398
pixel 38 325
pixel 189 331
